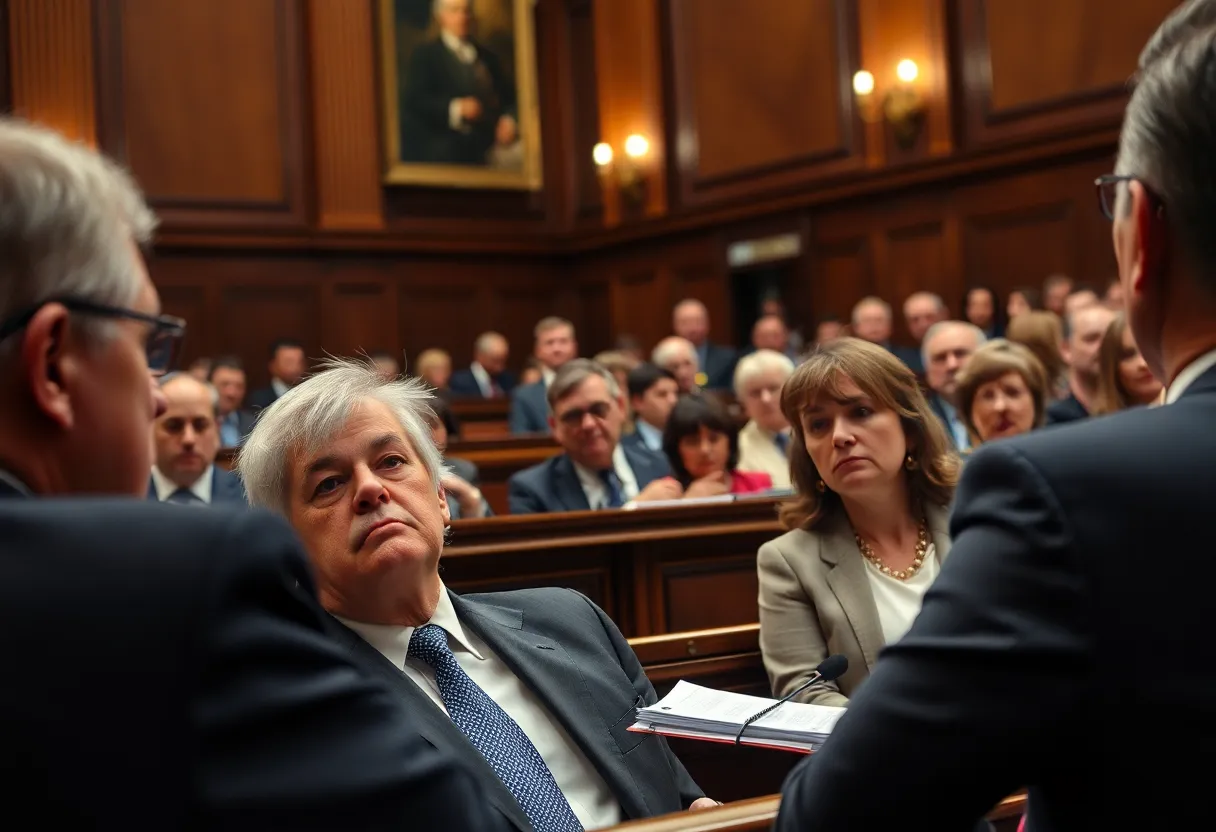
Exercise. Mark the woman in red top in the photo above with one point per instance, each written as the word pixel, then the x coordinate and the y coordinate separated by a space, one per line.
pixel 702 444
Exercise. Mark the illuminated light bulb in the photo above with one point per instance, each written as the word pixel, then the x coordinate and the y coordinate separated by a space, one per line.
pixel 602 154
pixel 636 146
pixel 907 70
pixel 863 83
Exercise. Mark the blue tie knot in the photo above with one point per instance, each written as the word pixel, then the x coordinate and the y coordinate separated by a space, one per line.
pixel 429 644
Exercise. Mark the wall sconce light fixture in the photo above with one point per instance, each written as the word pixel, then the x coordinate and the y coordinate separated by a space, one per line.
pixel 630 172
pixel 901 105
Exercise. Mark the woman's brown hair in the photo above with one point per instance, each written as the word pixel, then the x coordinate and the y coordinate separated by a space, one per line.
pixel 1042 334
pixel 1112 397
pixel 993 360
pixel 890 385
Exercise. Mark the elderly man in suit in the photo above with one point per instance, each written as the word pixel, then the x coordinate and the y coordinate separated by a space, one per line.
pixel 715 362
pixel 228 379
pixel 945 349
pixel 1066 645
pixel 533 689
pixel 287 366
pixel 199 689
pixel 596 469
pixel 187 439
pixel 487 377
pixel 555 345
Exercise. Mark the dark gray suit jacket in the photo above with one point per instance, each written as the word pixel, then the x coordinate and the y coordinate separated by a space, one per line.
pixel 226 489
pixel 553 484
pixel 529 409
pixel 571 655
pixel 1075 602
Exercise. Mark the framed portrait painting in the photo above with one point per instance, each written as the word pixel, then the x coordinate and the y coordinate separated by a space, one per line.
pixel 460 93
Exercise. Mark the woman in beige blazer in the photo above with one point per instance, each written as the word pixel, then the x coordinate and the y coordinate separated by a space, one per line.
pixel 874 473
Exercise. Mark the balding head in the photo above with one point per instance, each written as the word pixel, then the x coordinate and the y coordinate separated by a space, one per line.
pixel 491 352
pixel 678 356
pixel 872 320
pixel 690 320
pixel 921 311
pixel 186 435
pixel 946 347
pixel 771 333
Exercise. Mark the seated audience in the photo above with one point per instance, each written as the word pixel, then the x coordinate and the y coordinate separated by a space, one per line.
pixel 1042 333
pixel 487 377
pixel 595 471
pixel 1022 299
pixel 1114 296
pixel 770 332
pixel 921 311
pixel 981 308
pixel 872 321
pixel 716 362
pixel 702 444
pixel 765 440
pixel 200 368
pixel 1124 379
pixel 386 363
pixel 555 345
pixel 532 373
pixel 946 348
pixel 461 479
pixel 678 356
pixel 652 394
pixel 228 379
pixel 1056 289
pixel 187 439
pixel 1084 327
pixel 874 473
pixel 619 364
pixel 434 366
pixel 287 367
pixel 1080 297
pixel 828 329
pixel 1002 392
pixel 347 458
pixel 206 693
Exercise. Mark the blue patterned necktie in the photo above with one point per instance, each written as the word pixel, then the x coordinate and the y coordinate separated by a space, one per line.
pixel 612 488
pixel 499 739
pixel 783 442
pixel 184 497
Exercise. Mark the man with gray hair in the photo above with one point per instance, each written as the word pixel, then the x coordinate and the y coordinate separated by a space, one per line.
pixel 678 356
pixel 1055 619
pixel 187 440
pixel 716 362
pixel 166 668
pixel 596 471
pixel 921 311
pixel 487 377
pixel 872 321
pixel 945 349
pixel 348 459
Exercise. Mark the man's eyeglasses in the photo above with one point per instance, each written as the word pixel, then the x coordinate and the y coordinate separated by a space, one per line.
pixel 1108 194
pixel 574 417
pixel 162 344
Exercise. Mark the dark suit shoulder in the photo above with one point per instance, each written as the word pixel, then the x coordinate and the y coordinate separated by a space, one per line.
pixel 1066 410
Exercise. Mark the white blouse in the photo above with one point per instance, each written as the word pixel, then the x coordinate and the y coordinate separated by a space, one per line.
pixel 898 602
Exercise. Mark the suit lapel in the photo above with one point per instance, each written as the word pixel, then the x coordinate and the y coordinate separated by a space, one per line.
pixel 848 581
pixel 547 669
pixel 433 724
pixel 566 483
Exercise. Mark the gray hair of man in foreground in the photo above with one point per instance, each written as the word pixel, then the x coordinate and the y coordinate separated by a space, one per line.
pixel 67 223
pixel 315 411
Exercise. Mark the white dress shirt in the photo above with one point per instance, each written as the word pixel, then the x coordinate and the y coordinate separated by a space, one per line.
pixel 484 382
pixel 758 451
pixel 547 375
pixel 594 488
pixel 466 53
pixel 590 798
pixel 165 487
pixel 1189 374
pixel 652 437
pixel 279 386
pixel 898 602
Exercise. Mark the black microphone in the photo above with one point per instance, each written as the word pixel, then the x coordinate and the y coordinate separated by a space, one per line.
pixel 830 669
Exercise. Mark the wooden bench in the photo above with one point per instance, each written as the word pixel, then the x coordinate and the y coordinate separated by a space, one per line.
pixel 482 418
pixel 758 815
pixel 497 458
pixel 654 571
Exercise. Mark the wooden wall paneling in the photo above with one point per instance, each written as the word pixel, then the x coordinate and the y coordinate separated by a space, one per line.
pixel 1073 78
pixel 522 297
pixel 761 95
pixel 844 255
pixel 639 307
pixel 595 331
pixel 204 102
pixel 630 90
pixel 255 313
pixel 342 67
pixel 189 302
pixel 581 201
pixel 361 312
pixel 51 58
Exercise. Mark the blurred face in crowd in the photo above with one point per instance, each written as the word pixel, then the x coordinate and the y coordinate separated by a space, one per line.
pixel 436 371
pixel 1079 300
pixel 683 365
pixel 981 307
pixel 761 400
pixel 229 382
pixel 455 17
pixel 705 452
pixel 770 333
pixel 186 435
pixel 1016 305
pixel 947 351
pixel 654 406
pixel 691 321
pixel 587 423
pixel 921 311
pixel 1134 375
pixel 872 323
pixel 367 511
pixel 439 435
pixel 556 346
pixel 494 357
pixel 1003 407
pixel 1055 294
pixel 1085 340
pixel 288 365
pixel 828 331
pixel 387 366
pixel 1114 296
pixel 854 444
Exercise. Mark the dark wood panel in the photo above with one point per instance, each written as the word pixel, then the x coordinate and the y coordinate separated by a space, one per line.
pixel 687 583
pixel 1073 77
pixel 254 316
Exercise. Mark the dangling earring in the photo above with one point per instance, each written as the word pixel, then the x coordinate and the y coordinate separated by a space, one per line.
pixel 821 486
pixel 910 462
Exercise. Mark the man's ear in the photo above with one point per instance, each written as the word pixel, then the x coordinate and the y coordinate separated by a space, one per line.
pixel 50 363
pixel 443 506
pixel 1151 241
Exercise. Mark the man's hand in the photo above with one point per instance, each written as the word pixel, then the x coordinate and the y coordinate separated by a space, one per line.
pixel 506 131
pixel 466 494
pixel 703 803
pixel 470 109
pixel 666 488
pixel 713 485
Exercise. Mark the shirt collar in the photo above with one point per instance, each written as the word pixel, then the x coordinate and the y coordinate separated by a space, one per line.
pixel 1190 373
pixel 393 640
pixel 279 386
pixel 652 437
pixel 463 50
pixel 201 487
pixel 547 376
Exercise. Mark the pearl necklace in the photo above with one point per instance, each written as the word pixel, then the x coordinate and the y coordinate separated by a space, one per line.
pixel 918 560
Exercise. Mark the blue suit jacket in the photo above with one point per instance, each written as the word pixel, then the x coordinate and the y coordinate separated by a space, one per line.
pixel 553 485
pixel 529 409
pixel 464 383
pixel 226 489
pixel 719 367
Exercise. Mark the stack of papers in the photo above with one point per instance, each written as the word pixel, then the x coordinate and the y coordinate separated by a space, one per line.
pixel 694 712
